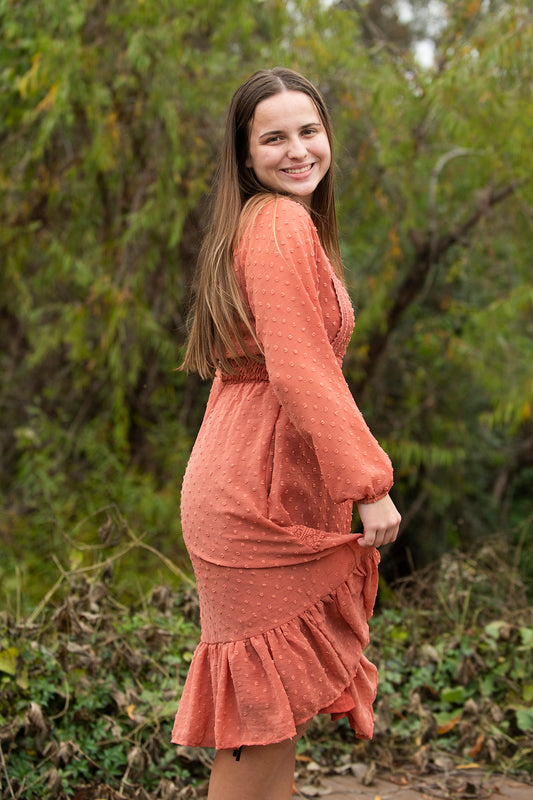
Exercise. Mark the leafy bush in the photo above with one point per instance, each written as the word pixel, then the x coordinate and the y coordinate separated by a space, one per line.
pixel 454 648
pixel 89 684
pixel 88 693
pixel 111 118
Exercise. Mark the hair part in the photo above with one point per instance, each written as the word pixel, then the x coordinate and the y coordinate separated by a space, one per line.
pixel 219 318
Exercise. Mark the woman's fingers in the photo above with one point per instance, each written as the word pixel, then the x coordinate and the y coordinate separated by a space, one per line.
pixel 381 522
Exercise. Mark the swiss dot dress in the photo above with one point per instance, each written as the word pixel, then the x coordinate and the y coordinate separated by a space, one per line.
pixel 285 589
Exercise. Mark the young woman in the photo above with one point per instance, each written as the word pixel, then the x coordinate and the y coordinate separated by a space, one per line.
pixel 283 452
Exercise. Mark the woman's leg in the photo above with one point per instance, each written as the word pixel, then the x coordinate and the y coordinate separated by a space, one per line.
pixel 264 772
pixel 284 778
pixel 251 777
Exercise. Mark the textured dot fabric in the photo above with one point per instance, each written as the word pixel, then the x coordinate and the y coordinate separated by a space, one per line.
pixel 285 589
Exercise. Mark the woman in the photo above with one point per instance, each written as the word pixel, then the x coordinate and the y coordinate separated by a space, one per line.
pixel 285 588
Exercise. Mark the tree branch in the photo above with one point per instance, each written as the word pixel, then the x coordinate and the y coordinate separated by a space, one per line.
pixel 429 250
pixel 457 152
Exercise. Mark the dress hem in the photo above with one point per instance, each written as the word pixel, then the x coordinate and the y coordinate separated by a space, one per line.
pixel 256 691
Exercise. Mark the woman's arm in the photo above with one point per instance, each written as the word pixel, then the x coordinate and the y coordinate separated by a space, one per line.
pixel 279 262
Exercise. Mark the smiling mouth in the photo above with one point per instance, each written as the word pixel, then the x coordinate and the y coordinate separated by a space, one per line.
pixel 298 170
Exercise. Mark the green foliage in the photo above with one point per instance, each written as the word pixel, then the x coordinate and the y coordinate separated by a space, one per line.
pixel 88 693
pixel 111 116
pixel 454 650
pixel 90 681
pixel 465 690
pixel 436 212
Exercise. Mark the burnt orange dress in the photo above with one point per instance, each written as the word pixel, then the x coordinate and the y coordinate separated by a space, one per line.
pixel 285 589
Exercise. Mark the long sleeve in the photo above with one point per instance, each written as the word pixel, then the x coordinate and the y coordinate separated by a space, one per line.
pixel 284 273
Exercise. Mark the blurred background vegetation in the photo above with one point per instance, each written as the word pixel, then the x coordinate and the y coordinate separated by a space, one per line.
pixel 111 117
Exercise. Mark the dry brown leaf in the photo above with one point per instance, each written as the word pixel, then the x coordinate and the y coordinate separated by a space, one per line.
pixel 444 763
pixel 447 726
pixel 315 791
pixel 480 741
pixel 421 758
pixel 54 783
pixel 36 724
pixel 365 773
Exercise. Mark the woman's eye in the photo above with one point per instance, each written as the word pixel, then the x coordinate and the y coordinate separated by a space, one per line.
pixel 309 131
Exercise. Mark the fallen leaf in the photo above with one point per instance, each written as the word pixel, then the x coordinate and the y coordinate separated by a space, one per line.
pixel 445 727
pixel 445 763
pixel 315 791
pixel 480 741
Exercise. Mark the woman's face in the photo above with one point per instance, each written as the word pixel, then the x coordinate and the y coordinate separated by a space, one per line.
pixel 288 145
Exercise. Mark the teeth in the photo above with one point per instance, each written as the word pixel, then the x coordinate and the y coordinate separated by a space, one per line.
pixel 298 170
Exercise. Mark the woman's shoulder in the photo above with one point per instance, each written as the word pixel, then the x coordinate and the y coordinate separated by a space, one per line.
pixel 269 213
pixel 280 206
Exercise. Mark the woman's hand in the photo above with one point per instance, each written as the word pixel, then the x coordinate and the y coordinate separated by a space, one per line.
pixel 381 522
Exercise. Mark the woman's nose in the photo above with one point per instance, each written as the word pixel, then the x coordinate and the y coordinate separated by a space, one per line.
pixel 296 148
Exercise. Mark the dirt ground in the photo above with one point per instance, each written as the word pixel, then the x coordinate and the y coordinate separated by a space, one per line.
pixel 459 785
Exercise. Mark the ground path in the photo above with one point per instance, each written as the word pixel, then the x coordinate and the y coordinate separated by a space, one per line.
pixel 475 785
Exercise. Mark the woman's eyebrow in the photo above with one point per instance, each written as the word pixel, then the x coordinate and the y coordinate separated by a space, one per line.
pixel 270 133
pixel 276 133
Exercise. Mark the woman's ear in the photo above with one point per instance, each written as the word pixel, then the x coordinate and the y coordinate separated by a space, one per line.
pixel 248 162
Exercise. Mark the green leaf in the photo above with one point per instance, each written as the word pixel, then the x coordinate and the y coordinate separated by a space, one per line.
pixel 456 694
pixel 527 692
pixel 8 661
pixel 493 628
pixel 526 634
pixel 524 719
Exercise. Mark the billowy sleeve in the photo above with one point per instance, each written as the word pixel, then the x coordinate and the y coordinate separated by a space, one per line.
pixel 278 259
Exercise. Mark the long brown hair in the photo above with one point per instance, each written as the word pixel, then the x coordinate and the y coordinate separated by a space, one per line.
pixel 219 314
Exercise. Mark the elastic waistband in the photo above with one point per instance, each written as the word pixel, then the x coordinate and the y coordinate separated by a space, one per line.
pixel 247 373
